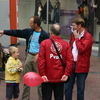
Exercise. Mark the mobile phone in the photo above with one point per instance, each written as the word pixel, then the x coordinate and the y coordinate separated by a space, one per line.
pixel 72 30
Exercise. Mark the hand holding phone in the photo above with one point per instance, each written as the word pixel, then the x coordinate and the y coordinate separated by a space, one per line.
pixel 76 34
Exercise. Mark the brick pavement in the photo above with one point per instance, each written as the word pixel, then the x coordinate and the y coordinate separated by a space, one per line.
pixel 92 90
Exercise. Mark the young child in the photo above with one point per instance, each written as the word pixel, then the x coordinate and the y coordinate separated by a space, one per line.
pixel 13 69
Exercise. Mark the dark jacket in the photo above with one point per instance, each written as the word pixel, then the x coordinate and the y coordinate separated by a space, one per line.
pixel 26 34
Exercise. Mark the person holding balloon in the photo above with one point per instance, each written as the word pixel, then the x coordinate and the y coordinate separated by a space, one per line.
pixel 50 67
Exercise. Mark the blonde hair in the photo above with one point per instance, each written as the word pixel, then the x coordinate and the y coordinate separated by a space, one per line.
pixel 12 50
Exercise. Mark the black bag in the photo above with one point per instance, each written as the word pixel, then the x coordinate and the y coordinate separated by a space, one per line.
pixel 3 58
pixel 63 64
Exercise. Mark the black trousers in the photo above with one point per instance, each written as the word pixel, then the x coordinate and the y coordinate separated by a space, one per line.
pixel 49 88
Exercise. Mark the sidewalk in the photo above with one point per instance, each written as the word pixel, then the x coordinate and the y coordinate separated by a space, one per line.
pixel 92 90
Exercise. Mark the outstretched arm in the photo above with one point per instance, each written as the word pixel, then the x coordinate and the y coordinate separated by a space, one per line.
pixel 1 32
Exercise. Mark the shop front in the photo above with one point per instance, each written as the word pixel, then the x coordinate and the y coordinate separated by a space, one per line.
pixel 59 11
pixel 54 11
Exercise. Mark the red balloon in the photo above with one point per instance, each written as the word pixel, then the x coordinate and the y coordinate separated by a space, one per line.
pixel 32 79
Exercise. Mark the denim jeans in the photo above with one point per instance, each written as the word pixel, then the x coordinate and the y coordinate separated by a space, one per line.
pixel 56 16
pixel 81 77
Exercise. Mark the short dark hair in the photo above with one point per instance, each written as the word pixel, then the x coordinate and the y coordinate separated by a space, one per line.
pixel 37 20
pixel 79 21
pixel 55 29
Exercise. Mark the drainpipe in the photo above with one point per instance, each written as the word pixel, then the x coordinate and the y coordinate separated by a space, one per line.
pixel 13 18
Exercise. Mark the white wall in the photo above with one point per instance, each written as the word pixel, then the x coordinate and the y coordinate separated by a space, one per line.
pixel 25 11
pixel 4 21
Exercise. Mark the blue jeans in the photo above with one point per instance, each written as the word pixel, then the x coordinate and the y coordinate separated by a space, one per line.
pixel 56 16
pixel 81 77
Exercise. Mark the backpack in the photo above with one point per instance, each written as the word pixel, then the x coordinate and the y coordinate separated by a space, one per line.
pixel 3 58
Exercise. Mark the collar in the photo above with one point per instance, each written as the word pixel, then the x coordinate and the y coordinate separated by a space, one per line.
pixel 13 58
pixel 81 34
pixel 55 37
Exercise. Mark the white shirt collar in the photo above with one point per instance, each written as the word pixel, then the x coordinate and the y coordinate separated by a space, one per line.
pixel 81 34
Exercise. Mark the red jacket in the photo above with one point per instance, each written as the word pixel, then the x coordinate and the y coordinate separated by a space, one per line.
pixel 84 46
pixel 49 63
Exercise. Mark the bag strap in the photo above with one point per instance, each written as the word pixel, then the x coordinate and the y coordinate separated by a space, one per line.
pixel 63 64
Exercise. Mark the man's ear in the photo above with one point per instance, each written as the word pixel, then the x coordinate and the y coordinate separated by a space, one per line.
pixel 79 25
pixel 36 24
pixel 50 33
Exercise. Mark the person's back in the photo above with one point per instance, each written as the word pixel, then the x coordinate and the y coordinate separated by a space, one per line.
pixel 52 58
pixel 51 68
